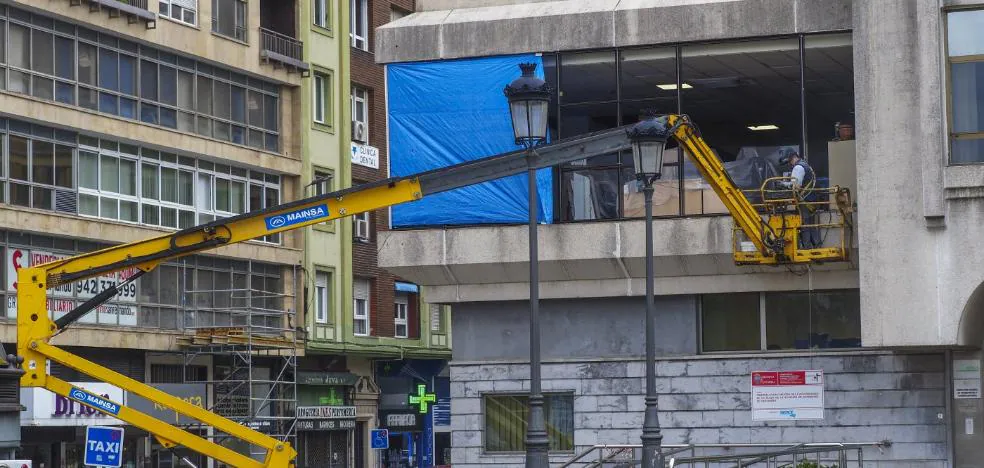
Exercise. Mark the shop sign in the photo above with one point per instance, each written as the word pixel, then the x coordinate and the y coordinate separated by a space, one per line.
pixel 397 421
pixel 48 409
pixel 327 378
pixel 787 395
pixel 365 155
pixel 85 289
pixel 191 393
pixel 326 412
pixel 325 424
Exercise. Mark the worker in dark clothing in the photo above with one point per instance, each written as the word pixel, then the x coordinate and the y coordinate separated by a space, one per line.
pixel 803 183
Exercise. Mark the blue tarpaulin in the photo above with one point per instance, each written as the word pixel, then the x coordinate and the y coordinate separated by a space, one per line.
pixel 448 112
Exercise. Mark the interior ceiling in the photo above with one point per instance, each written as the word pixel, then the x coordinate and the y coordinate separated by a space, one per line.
pixel 729 91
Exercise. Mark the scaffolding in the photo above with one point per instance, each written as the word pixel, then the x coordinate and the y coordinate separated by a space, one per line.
pixel 248 334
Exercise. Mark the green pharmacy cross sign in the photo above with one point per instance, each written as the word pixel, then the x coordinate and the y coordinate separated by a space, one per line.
pixel 422 398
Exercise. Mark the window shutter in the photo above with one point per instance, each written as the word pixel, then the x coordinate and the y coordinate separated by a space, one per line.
pixel 413 317
pixel 189 4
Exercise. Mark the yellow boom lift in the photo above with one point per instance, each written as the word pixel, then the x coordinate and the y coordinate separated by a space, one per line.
pixel 770 227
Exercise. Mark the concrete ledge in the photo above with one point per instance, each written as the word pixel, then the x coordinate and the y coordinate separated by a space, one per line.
pixel 587 260
pixel 467 30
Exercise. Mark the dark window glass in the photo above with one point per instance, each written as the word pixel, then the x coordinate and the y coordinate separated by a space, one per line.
pixel 20 194
pixel 88 98
pixel 128 75
pixel 128 108
pixel 109 72
pixel 590 194
pixel 186 90
pixel 730 322
pixel 204 104
pixel 64 167
pixel 817 319
pixel 255 106
pixel 221 106
pixel 169 117
pixel 87 63
pixel 587 77
pixel 43 88
pixel 65 92
pixel 148 80
pixel 169 89
pixel 109 103
pixel 271 119
pixel 148 113
pixel 18 157
pixel 65 58
pixel 43 50
pixel 238 104
pixel 43 162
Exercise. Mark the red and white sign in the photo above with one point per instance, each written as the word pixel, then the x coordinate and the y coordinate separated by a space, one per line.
pixel 787 395
pixel 84 289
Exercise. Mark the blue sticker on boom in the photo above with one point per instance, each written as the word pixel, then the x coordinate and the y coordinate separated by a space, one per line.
pixel 94 401
pixel 296 217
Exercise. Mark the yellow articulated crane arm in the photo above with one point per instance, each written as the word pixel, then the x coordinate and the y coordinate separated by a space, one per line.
pixel 772 227
pixel 36 329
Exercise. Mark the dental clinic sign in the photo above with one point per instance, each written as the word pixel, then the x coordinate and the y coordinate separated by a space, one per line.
pixel 365 155
pixel 787 395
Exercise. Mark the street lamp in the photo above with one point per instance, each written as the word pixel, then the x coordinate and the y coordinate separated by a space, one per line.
pixel 528 97
pixel 648 139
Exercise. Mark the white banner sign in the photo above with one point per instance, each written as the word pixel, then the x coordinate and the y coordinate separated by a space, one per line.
pixel 85 289
pixel 365 155
pixel 787 395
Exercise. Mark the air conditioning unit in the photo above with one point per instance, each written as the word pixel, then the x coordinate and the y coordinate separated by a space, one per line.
pixel 360 132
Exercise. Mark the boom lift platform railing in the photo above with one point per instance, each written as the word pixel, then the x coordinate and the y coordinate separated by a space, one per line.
pixel 773 234
pixel 803 455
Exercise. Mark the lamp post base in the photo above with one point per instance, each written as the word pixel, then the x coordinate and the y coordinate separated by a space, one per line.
pixel 652 438
pixel 537 443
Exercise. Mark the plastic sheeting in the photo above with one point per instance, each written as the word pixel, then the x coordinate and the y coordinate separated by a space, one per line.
pixel 448 112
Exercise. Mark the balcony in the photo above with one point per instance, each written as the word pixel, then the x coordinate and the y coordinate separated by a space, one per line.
pixel 133 10
pixel 282 50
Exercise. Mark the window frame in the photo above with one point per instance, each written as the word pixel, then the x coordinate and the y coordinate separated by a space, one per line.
pixel 323 20
pixel 326 104
pixel 357 24
pixel 361 222
pixel 399 320
pixel 763 320
pixel 359 99
pixel 243 28
pixel 547 395
pixel 322 315
pixel 362 304
pixel 168 15
pixel 952 135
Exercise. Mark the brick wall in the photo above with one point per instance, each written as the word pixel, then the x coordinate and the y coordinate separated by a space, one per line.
pixel 868 398
pixel 367 74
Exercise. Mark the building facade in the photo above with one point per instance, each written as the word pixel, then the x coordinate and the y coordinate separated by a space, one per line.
pixel 126 120
pixel 879 96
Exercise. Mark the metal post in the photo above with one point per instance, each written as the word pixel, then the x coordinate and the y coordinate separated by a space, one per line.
pixel 651 436
pixel 537 443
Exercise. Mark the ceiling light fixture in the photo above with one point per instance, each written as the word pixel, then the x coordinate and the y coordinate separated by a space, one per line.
pixel 673 86
pixel 759 128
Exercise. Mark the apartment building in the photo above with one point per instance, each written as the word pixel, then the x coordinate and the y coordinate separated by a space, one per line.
pixel 123 120
pixel 407 339
pixel 895 332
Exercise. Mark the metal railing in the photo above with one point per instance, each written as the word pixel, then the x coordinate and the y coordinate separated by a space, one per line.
pixel 278 46
pixel 137 3
pixel 816 455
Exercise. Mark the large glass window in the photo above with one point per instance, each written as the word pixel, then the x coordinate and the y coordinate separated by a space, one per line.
pixel 360 312
pixel 103 73
pixel 965 53
pixel 828 319
pixel 745 96
pixel 506 419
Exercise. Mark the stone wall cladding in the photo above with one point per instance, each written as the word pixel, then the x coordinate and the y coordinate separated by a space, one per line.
pixel 868 398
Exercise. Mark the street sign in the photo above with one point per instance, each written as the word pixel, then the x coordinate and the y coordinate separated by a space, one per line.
pixel 422 398
pixel 380 438
pixel 104 446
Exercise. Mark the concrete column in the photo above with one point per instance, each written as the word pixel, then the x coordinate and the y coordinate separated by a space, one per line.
pixel 897 53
